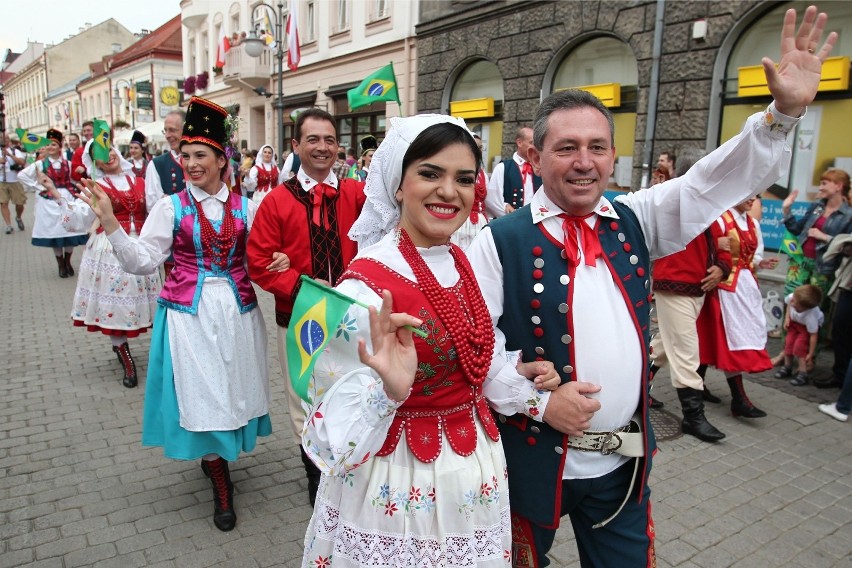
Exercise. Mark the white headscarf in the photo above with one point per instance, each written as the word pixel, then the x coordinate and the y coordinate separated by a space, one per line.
pixel 381 212
pixel 258 161
pixel 126 167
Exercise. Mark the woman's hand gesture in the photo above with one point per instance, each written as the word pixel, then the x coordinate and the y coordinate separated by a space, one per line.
pixel 394 357
pixel 787 204
pixel 95 197
pixel 48 186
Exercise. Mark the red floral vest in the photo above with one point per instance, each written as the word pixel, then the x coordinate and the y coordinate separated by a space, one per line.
pixel 266 180
pixel 127 205
pixel 442 402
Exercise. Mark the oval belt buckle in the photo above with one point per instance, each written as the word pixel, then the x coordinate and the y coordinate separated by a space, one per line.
pixel 605 450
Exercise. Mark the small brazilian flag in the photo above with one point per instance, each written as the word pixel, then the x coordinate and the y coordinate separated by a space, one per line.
pixel 101 140
pixel 790 245
pixel 317 312
pixel 31 142
pixel 380 86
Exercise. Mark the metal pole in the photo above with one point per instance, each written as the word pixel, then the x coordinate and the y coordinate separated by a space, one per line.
pixel 279 103
pixel 132 107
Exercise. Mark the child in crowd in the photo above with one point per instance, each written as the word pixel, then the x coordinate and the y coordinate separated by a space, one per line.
pixel 802 322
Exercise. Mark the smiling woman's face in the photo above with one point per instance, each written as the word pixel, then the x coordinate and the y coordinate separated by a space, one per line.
pixel 437 194
pixel 202 167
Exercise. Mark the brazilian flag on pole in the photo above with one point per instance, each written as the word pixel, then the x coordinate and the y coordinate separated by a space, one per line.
pixel 317 312
pixel 101 140
pixel 31 142
pixel 380 86
pixel 790 245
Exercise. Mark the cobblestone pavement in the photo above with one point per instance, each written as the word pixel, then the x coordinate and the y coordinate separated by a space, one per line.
pixel 78 489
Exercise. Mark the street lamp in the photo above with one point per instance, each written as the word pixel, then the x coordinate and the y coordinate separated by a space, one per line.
pixel 116 99
pixel 254 47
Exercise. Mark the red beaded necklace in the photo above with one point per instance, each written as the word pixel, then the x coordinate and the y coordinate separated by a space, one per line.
pixel 217 245
pixel 471 332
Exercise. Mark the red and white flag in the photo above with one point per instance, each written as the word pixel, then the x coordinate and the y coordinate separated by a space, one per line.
pixel 294 54
pixel 223 47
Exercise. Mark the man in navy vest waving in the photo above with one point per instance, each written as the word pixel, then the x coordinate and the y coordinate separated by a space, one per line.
pixel 566 280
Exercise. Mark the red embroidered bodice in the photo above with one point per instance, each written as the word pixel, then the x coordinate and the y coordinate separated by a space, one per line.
pixel 266 179
pixel 61 177
pixel 442 402
pixel 128 206
pixel 743 247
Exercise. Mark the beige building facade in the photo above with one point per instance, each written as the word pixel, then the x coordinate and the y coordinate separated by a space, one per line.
pixel 56 66
pixel 341 44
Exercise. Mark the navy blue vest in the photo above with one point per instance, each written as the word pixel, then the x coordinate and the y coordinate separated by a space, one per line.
pixel 170 172
pixel 534 463
pixel 513 184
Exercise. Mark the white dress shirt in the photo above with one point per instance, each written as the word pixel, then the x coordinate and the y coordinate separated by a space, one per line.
pixel 153 184
pixel 671 215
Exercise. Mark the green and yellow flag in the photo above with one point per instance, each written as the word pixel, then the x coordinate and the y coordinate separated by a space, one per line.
pixel 31 142
pixel 101 140
pixel 317 312
pixel 380 86
pixel 790 245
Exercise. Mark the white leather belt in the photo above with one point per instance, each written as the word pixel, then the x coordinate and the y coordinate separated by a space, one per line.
pixel 627 441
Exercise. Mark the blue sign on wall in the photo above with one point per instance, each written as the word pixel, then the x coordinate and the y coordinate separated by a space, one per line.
pixel 770 225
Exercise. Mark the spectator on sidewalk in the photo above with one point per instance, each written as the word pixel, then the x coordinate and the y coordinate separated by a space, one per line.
pixel 840 410
pixel 666 163
pixel 802 323
pixel 841 293
pixel 12 160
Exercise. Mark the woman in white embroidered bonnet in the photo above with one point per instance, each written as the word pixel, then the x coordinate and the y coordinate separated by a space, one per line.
pixel 404 436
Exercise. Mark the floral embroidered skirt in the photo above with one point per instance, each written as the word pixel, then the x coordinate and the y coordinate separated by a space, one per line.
pixel 398 511
pixel 107 298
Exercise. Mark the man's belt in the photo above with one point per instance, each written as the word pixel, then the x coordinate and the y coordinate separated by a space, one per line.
pixel 627 441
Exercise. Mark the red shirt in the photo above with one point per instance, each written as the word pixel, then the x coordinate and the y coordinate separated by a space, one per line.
pixel 284 224
pixel 809 247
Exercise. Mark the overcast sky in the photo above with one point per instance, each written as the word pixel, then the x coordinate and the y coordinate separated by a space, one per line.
pixel 52 21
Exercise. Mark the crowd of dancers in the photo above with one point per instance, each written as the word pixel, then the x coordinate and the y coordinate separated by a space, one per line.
pixel 532 341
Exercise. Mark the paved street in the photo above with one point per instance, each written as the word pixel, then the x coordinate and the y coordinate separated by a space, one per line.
pixel 78 489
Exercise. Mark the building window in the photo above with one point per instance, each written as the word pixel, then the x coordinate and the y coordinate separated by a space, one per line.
pixel 342 20
pixel 310 21
pixel 205 46
pixel 353 126
pixel 192 55
pixel 379 10
pixel 235 18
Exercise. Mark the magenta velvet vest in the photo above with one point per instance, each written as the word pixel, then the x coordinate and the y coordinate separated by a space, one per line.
pixel 182 289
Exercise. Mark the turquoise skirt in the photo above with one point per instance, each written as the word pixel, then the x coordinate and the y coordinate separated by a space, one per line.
pixel 161 417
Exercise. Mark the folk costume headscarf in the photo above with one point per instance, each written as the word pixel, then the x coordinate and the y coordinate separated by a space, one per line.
pixel 381 212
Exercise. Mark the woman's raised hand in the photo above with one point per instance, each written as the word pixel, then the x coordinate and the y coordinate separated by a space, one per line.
pixel 394 357
pixel 788 201
pixel 93 195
